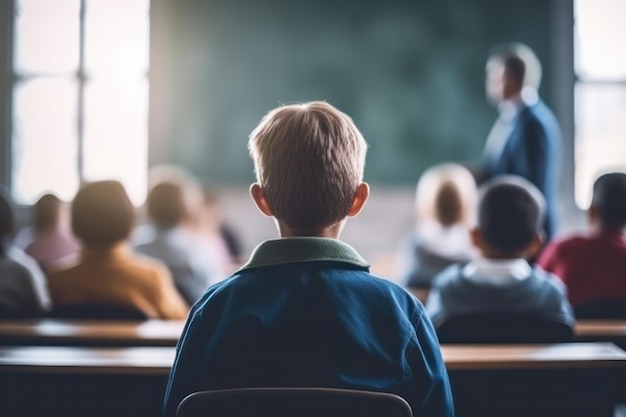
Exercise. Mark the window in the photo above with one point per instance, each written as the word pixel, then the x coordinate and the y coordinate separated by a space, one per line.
pixel 600 67
pixel 80 96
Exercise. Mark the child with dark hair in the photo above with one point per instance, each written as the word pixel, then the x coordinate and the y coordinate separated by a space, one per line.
pixel 23 287
pixel 108 273
pixel 194 267
pixel 593 266
pixel 510 216
pixel 52 238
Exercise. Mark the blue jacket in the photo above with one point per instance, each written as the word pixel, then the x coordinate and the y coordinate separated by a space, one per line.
pixel 454 294
pixel 307 312
pixel 532 151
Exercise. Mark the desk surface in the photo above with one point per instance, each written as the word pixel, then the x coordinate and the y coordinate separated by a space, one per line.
pixel 87 360
pixel 566 355
pixel 166 333
pixel 158 360
pixel 130 333
pixel 606 329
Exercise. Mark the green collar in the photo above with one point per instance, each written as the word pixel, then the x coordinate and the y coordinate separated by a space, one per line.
pixel 303 249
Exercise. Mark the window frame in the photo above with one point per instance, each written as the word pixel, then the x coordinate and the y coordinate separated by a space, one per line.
pixel 79 77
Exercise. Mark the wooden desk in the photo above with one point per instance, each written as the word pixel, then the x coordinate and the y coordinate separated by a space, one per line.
pixel 578 379
pixel 600 329
pixel 49 332
pixel 566 355
pixel 87 360
pixel 572 379
pixel 158 360
pixel 83 381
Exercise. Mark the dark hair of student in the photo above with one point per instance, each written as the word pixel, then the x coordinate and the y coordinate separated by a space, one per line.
pixel 510 213
pixel 515 67
pixel 166 204
pixel 7 222
pixel 609 196
pixel 45 212
pixel 102 214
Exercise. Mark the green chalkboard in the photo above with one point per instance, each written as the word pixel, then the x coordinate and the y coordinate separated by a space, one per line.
pixel 410 73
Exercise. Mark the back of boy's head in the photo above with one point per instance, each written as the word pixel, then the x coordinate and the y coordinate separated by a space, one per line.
pixel 510 213
pixel 46 212
pixel 309 160
pixel 445 193
pixel 166 204
pixel 102 214
pixel 609 197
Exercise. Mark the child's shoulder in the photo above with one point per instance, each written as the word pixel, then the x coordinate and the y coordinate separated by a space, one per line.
pixel 571 242
pixel 548 280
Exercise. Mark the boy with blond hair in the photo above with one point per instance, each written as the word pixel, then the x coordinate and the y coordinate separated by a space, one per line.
pixel 444 203
pixel 304 310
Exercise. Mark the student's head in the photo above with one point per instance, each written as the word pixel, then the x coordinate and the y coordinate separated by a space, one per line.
pixel 102 214
pixel 510 68
pixel 166 205
pixel 608 206
pixel 7 216
pixel 446 193
pixel 510 217
pixel 309 160
pixel 174 196
pixel 46 213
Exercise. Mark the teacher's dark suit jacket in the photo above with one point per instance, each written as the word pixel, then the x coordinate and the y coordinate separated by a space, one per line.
pixel 529 146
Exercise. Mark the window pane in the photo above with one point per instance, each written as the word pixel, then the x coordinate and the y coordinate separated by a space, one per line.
pixel 116 134
pixel 600 33
pixel 44 139
pixel 47 36
pixel 122 51
pixel 600 135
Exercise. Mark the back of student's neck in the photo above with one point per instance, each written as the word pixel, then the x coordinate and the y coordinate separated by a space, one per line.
pixel 332 232
pixel 502 256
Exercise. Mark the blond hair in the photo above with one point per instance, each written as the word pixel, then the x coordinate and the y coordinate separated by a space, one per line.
pixel 309 160
pixel 446 193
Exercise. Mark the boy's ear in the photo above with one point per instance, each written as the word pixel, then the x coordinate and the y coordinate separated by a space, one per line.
pixel 476 237
pixel 259 199
pixel 535 247
pixel 360 197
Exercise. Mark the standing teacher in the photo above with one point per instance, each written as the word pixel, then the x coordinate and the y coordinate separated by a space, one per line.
pixel 525 140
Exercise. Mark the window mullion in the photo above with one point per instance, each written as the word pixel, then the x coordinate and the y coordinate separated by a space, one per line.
pixel 82 81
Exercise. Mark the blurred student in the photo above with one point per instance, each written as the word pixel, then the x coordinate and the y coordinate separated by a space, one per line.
pixel 107 272
pixel 52 238
pixel 23 286
pixel 304 310
pixel 444 203
pixel 593 266
pixel 526 138
pixel 222 234
pixel 509 231
pixel 191 260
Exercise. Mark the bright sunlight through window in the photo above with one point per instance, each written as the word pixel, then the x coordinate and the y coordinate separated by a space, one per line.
pixel 600 92
pixel 81 96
